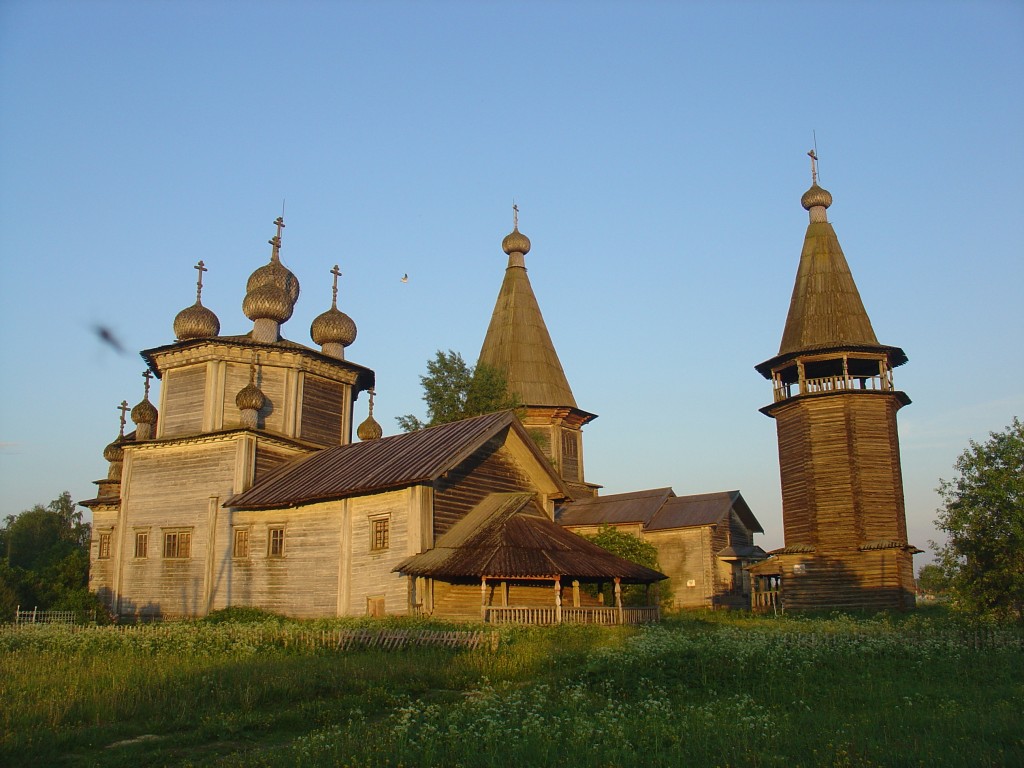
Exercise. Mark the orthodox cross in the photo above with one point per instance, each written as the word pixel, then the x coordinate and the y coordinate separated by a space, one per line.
pixel 814 166
pixel 276 239
pixel 199 283
pixel 147 376
pixel 372 393
pixel 515 215
pixel 123 408
pixel 337 273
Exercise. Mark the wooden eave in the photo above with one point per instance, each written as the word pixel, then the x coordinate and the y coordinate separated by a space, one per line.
pixel 242 347
pixel 895 356
pixel 220 436
pixel 772 408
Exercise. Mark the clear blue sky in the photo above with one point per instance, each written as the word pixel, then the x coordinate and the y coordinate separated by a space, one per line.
pixel 656 151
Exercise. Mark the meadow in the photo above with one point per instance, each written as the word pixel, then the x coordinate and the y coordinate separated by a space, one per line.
pixel 708 689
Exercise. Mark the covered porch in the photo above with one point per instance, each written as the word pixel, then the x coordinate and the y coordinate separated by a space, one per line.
pixel 526 569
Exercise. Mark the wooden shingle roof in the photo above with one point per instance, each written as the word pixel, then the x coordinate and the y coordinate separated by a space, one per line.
pixel 658 509
pixel 518 343
pixel 508 536
pixel 376 465
pixel 636 507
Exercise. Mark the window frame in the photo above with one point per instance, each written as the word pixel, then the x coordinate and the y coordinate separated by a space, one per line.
pixel 380 533
pixel 141 553
pixel 241 552
pixel 275 532
pixel 103 545
pixel 182 548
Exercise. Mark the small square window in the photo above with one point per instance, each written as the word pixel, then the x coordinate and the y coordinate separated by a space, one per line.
pixel 177 544
pixel 141 543
pixel 241 543
pixel 104 551
pixel 275 543
pixel 380 534
pixel 375 607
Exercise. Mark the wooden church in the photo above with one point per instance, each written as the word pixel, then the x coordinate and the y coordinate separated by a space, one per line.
pixel 835 407
pixel 244 488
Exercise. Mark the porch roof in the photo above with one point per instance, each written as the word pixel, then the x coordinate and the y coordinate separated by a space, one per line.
pixel 507 535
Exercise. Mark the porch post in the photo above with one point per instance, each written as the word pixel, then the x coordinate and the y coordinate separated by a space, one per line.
pixel 558 599
pixel 618 598
pixel 483 598
pixel 575 593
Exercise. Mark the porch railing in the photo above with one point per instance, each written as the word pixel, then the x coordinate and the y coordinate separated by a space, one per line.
pixel 496 614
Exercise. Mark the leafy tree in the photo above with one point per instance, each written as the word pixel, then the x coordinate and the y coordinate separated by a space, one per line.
pixel 632 548
pixel 932 580
pixel 454 390
pixel 983 517
pixel 46 563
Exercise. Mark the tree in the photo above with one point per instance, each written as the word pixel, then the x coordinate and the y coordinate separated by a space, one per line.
pixel 932 580
pixel 46 559
pixel 453 391
pixel 636 550
pixel 983 517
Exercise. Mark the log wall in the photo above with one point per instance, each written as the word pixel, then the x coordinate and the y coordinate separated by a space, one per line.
pixel 323 403
pixel 184 391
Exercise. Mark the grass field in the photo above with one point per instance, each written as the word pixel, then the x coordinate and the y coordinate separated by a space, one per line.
pixel 709 689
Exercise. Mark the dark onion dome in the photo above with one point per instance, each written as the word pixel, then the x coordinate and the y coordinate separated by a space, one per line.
pixel 516 242
pixel 816 196
pixel 144 412
pixel 115 450
pixel 267 301
pixel 196 322
pixel 250 398
pixel 333 327
pixel 369 430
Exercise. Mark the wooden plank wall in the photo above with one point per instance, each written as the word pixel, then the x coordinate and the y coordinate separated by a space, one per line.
pixel 489 470
pixel 370 573
pixel 184 393
pixel 682 556
pixel 322 405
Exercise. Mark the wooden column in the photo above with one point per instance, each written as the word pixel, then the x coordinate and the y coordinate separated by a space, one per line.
pixel 558 599
pixel 575 593
pixel 483 598
pixel 618 598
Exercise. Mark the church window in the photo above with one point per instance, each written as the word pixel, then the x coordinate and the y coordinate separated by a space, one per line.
pixel 275 542
pixel 177 544
pixel 375 606
pixel 241 543
pixel 142 543
pixel 380 534
pixel 104 552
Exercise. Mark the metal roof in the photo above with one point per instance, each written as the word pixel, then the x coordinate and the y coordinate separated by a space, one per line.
pixel 658 509
pixel 507 535
pixel 376 465
pixel 618 508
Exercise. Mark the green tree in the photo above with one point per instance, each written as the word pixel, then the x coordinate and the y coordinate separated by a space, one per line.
pixel 932 580
pixel 454 390
pixel 983 517
pixel 46 563
pixel 632 548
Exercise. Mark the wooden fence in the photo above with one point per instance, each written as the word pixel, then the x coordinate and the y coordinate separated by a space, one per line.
pixel 496 614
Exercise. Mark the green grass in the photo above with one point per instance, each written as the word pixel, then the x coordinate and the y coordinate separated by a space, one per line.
pixel 708 689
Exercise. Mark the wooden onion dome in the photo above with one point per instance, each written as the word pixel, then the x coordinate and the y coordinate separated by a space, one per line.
pixel 370 429
pixel 250 400
pixel 196 322
pixel 114 452
pixel 333 330
pixel 270 293
pixel 145 415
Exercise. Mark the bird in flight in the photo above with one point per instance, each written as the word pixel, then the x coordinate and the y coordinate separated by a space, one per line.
pixel 107 337
pixel 405 278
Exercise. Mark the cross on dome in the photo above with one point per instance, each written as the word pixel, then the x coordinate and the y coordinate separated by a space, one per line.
pixel 123 408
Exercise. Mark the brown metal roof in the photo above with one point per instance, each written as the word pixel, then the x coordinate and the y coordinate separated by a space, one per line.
pixel 617 508
pixel 376 465
pixel 703 509
pixel 658 509
pixel 507 535
pixel 518 343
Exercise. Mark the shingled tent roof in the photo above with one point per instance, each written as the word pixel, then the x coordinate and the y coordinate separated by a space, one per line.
pixel 658 509
pixel 508 536
pixel 377 465
pixel 518 343
pixel 826 311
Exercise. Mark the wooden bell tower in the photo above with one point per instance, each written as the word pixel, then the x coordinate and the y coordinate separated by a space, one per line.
pixel 835 407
